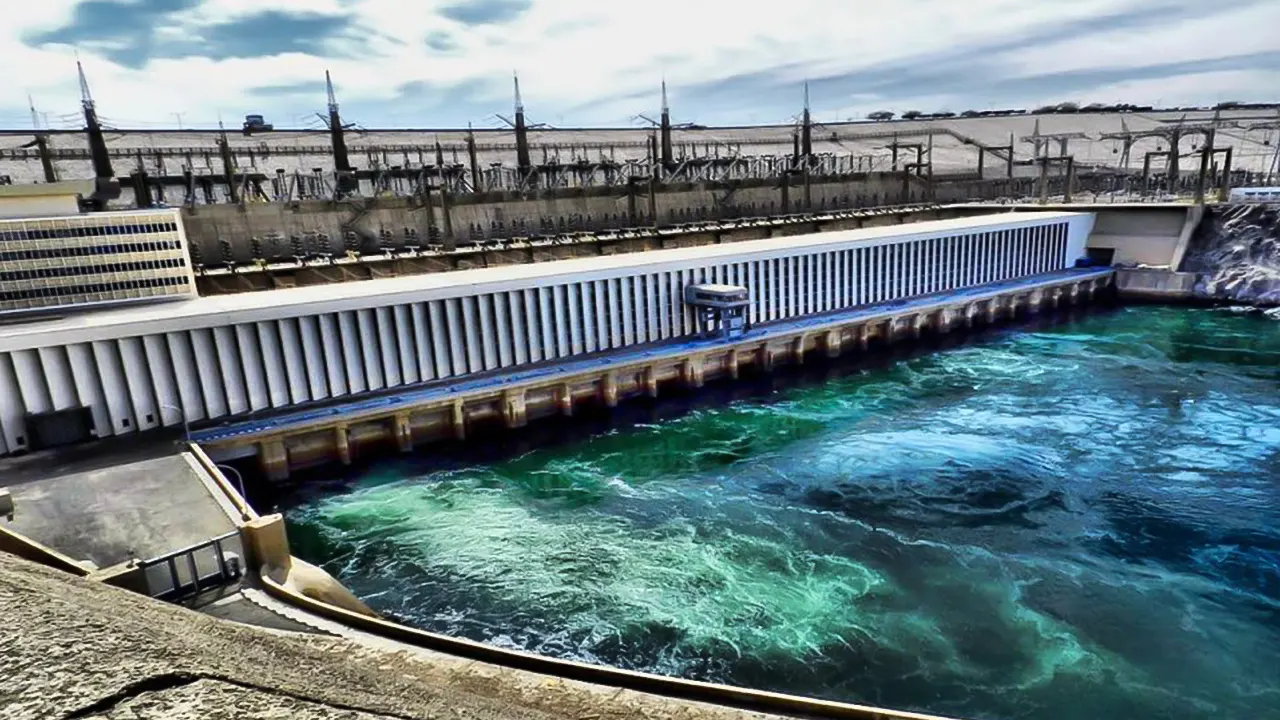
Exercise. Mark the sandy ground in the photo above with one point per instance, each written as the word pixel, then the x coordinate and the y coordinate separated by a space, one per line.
pixel 299 150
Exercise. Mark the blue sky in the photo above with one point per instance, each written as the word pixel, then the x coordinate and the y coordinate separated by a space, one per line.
pixel 434 63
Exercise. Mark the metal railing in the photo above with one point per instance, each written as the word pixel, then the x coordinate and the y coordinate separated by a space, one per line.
pixel 185 573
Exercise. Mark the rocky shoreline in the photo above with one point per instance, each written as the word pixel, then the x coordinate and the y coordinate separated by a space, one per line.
pixel 1236 256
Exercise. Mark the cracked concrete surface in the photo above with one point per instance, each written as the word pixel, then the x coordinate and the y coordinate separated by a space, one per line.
pixel 71 648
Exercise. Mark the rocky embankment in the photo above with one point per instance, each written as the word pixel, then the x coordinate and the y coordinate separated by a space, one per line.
pixel 1236 254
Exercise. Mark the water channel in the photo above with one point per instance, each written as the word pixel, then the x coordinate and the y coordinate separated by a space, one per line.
pixel 1071 521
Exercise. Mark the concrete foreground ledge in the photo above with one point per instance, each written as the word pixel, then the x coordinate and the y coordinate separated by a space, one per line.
pixel 74 648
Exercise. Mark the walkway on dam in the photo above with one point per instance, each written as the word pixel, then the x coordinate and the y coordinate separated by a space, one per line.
pixel 496 380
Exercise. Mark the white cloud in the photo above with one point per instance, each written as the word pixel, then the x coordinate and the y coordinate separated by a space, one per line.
pixel 1237 30
pixel 584 54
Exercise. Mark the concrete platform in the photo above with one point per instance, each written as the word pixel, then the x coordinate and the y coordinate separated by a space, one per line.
pixel 1155 284
pixel 108 508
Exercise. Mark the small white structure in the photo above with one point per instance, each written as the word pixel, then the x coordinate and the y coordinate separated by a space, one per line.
pixel 1255 195
pixel 43 199
pixel 720 308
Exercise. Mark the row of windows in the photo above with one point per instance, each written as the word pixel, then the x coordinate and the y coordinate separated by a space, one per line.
pixel 89 231
pixel 14 296
pixel 90 250
pixel 77 270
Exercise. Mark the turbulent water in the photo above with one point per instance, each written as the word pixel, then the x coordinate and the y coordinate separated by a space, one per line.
pixel 1081 521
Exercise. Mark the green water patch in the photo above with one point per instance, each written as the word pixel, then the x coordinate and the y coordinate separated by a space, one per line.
pixel 1067 522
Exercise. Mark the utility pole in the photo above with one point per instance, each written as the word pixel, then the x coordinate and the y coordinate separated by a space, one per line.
pixel 806 129
pixel 228 164
pixel 523 163
pixel 667 159
pixel 105 186
pixel 97 142
pixel 42 144
pixel 345 181
pixel 475 164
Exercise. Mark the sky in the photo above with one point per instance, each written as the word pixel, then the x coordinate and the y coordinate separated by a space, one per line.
pixel 446 63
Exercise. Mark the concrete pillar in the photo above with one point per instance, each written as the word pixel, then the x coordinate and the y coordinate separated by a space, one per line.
pixel 651 381
pixel 274 460
pixel 403 432
pixel 731 360
pixel 918 324
pixel 993 310
pixel 342 443
pixel 797 349
pixel 864 336
pixel 514 413
pixel 1074 293
pixel 609 389
pixel 766 358
pixel 691 372
pixel 458 419
pixel 266 546
pixel 832 341
pixel 565 398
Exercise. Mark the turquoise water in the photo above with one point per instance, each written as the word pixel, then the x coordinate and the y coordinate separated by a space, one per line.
pixel 1079 521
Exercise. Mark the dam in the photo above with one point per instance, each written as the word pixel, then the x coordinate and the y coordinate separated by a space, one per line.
pixel 559 465
pixel 227 357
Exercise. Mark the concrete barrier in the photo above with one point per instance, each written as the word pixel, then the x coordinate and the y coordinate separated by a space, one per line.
pixel 1132 234
pixel 25 547
pixel 1155 284
pixel 267 545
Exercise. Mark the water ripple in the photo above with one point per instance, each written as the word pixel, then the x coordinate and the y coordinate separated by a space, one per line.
pixel 1079 522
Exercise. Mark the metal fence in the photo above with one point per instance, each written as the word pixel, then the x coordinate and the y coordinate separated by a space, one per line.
pixel 190 571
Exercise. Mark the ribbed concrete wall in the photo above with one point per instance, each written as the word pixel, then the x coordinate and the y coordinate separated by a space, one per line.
pixel 233 355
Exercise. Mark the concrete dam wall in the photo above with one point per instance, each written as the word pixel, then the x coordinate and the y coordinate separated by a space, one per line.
pixel 229 233
pixel 211 358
